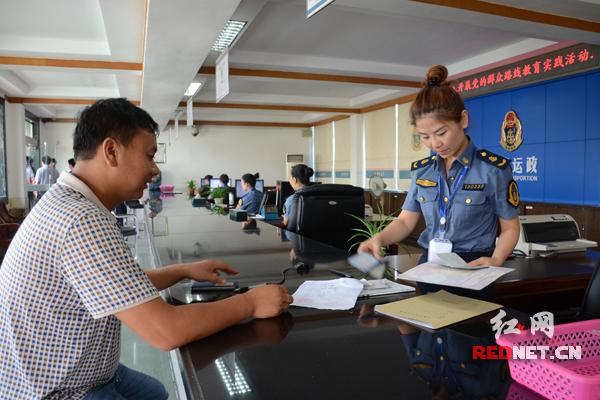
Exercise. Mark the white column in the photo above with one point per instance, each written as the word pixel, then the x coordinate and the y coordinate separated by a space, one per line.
pixel 15 154
pixel 356 150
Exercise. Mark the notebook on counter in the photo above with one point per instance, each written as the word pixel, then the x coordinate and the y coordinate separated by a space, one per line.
pixel 436 310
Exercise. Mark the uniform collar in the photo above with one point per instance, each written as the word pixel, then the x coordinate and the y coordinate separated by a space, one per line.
pixel 73 182
pixel 464 159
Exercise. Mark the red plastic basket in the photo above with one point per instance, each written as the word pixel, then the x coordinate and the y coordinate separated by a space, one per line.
pixel 560 379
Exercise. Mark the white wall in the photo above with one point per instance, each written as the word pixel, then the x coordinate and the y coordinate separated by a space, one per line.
pixel 217 149
pixel 231 150
pixel 59 142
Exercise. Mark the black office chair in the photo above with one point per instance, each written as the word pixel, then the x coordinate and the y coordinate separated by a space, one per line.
pixel 322 213
pixel 590 307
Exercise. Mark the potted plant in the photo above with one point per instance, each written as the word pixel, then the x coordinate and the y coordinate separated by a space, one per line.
pixel 191 185
pixel 218 194
pixel 370 228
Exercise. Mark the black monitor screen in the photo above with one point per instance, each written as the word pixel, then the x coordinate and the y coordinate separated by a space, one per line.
pixel 239 192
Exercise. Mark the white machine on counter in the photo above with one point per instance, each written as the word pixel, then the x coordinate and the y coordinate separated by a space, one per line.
pixel 550 233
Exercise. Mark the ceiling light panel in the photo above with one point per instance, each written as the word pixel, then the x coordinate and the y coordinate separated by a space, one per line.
pixel 228 34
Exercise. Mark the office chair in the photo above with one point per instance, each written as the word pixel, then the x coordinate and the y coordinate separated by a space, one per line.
pixel 590 307
pixel 323 212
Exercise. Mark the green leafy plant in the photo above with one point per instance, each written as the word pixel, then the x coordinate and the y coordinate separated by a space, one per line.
pixel 370 228
pixel 191 184
pixel 218 210
pixel 218 192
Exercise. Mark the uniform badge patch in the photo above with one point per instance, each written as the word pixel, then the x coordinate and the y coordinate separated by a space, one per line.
pixel 512 194
pixel 474 186
pixel 426 183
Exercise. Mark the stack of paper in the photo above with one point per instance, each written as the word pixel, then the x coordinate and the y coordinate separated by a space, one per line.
pixel 382 287
pixel 436 310
pixel 463 278
pixel 335 294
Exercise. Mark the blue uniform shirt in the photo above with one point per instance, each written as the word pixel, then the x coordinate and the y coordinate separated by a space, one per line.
pixel 488 192
pixel 251 201
pixel 289 207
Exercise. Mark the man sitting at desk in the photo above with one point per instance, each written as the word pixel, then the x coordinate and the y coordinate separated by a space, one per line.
pixel 69 279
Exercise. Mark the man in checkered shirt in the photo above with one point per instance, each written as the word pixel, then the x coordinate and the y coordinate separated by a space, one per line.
pixel 68 279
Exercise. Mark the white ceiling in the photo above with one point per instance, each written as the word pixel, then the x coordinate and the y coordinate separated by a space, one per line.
pixel 392 39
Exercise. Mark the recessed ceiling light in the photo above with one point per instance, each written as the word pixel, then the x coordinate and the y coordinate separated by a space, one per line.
pixel 228 34
pixel 192 89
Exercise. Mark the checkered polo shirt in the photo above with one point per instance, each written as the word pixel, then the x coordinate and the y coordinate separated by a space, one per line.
pixel 66 272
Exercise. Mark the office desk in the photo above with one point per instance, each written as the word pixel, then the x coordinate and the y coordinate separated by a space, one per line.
pixel 317 354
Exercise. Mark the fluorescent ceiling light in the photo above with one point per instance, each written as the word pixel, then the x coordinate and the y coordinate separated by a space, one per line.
pixel 192 89
pixel 228 34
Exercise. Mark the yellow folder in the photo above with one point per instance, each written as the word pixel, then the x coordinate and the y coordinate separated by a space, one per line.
pixel 436 310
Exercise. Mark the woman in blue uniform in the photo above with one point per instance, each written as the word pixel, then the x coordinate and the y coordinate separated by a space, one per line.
pixel 463 192
pixel 251 200
pixel 301 175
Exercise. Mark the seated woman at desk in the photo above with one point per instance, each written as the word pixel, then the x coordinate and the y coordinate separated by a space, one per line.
pixel 300 178
pixel 463 192
pixel 251 200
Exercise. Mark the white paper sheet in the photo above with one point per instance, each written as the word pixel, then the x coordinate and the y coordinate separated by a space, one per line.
pixel 335 294
pixel 440 275
pixel 453 260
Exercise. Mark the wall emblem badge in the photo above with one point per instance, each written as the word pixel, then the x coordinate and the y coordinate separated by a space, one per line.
pixel 511 133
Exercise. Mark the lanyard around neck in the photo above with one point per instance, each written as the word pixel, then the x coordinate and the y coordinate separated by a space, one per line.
pixel 445 205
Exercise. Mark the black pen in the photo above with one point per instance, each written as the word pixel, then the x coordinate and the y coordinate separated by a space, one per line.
pixel 340 273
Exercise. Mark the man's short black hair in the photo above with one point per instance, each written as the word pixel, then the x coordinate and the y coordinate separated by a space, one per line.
pixel 71 162
pixel 115 118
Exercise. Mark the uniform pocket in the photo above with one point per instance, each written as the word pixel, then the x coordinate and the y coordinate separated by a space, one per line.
pixel 428 199
pixel 470 208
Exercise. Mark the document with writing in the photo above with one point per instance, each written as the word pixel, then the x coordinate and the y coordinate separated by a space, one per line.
pixel 463 278
pixel 436 310
pixel 335 294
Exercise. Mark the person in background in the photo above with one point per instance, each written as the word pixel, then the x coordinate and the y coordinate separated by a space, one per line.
pixel 71 163
pixel 463 192
pixel 301 175
pixel 29 172
pixel 53 170
pixel 204 189
pixel 224 181
pixel 43 176
pixel 65 344
pixel 251 200
pixel 29 179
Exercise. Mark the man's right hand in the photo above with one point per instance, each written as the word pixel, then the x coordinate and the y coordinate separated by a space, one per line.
pixel 268 300
pixel 372 246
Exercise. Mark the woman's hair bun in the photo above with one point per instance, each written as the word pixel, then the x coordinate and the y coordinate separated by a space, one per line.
pixel 256 175
pixel 436 75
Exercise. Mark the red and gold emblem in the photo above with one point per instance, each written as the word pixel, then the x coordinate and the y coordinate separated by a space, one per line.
pixel 511 133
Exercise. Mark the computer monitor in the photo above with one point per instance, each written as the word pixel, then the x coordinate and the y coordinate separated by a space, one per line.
pixel 215 183
pixel 285 191
pixel 204 182
pixel 239 192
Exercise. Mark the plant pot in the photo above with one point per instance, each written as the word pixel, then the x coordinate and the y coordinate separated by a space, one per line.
pixel 219 200
pixel 191 192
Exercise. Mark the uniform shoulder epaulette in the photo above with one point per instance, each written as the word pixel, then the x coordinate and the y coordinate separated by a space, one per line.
pixel 493 159
pixel 421 163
